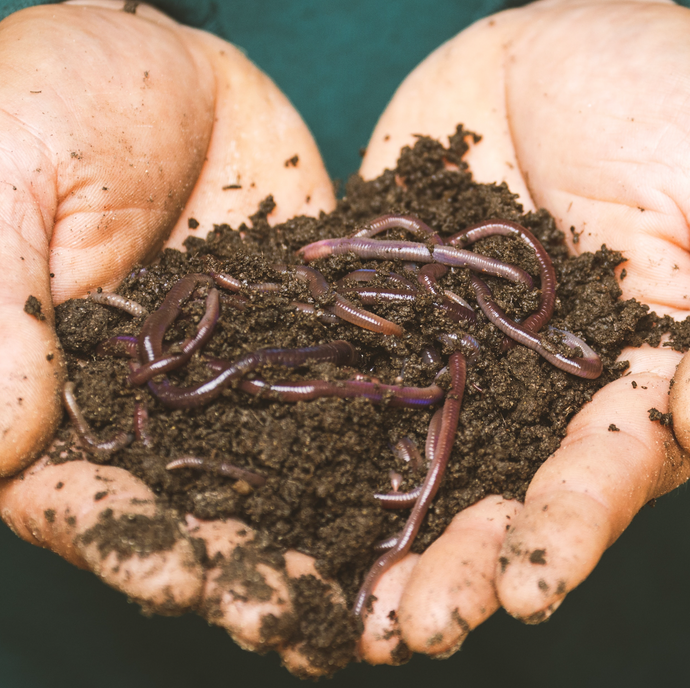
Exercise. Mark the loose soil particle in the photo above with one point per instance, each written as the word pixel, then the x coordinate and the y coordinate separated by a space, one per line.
pixel 324 459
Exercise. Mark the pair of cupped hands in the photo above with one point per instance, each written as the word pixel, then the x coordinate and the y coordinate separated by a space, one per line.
pixel 117 127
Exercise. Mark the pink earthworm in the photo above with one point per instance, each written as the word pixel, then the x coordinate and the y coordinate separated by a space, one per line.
pixel 108 299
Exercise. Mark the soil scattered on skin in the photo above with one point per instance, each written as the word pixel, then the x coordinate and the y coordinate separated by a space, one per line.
pixel 324 459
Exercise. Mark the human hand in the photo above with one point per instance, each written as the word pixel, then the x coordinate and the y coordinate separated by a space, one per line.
pixel 118 128
pixel 583 111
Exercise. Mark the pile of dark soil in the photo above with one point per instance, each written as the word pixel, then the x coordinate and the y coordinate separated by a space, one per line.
pixel 324 459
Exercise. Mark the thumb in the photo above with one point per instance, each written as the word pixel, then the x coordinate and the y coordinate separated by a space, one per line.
pixel 31 365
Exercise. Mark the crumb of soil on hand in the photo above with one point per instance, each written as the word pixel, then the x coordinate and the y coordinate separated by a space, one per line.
pixel 33 307
pixel 323 460
pixel 666 419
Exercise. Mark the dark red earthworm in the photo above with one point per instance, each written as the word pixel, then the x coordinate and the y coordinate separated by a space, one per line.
pixel 229 470
pixel 117 301
pixel 338 352
pixel 385 545
pixel 416 252
pixel 166 363
pixel 396 480
pixel 408 222
pixel 547 274
pixel 588 366
pixel 308 390
pixel 432 481
pixel 154 327
pixel 455 308
pixel 84 432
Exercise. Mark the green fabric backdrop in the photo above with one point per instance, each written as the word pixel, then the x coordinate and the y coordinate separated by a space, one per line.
pixel 340 61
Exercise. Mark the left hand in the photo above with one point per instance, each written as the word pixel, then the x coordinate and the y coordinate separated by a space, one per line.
pixel 583 111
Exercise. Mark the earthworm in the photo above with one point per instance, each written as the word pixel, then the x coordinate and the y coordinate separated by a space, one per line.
pixel 141 424
pixel 127 305
pixel 233 284
pixel 589 366
pixel 547 274
pixel 412 251
pixel 430 356
pixel 324 315
pixel 120 345
pixel 408 222
pixel 224 468
pixel 318 286
pixel 396 480
pixel 466 341
pixel 402 500
pixel 345 309
pixel 385 545
pixel 432 481
pixel 406 450
pixel 315 389
pixel 372 295
pixel 338 352
pixel 456 308
pixel 164 364
pixel 154 327
pixel 122 439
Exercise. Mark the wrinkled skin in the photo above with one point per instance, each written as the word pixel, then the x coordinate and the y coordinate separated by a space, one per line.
pixel 583 111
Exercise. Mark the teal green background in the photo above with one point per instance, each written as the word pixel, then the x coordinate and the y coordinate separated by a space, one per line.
pixel 340 61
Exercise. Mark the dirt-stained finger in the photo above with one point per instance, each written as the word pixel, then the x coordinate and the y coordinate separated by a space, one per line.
pixel 612 462
pixel 452 589
pixel 105 519
pixel 381 642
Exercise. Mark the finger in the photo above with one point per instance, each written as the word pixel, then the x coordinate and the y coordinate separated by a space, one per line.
pixel 452 588
pixel 31 364
pixel 316 601
pixel 260 146
pixel 679 403
pixel 461 82
pixel 105 519
pixel 243 585
pixel 612 462
pixel 381 641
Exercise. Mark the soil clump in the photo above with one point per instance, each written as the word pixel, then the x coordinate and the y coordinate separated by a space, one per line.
pixel 324 459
